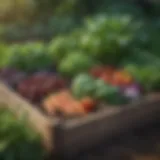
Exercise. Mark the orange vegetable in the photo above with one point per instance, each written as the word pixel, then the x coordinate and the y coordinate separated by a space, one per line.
pixel 50 105
pixel 65 103
pixel 122 78
pixel 78 108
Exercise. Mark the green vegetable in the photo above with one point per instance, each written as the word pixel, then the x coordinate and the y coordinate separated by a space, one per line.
pixel 30 57
pixel 108 37
pixel 105 37
pixel 104 91
pixel 141 58
pixel 108 93
pixel 74 63
pixel 4 56
pixel 148 76
pixel 17 140
pixel 83 85
pixel 61 46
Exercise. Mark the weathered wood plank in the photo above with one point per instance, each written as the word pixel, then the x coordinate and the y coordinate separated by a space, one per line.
pixel 21 107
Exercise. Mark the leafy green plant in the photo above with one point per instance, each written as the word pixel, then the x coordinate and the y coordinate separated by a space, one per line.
pixel 108 37
pixel 75 63
pixel 61 47
pixel 4 56
pixel 30 57
pixel 104 37
pixel 148 76
pixel 83 85
pixel 141 58
pixel 17 140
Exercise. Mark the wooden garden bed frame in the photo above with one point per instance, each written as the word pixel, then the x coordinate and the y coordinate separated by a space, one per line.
pixel 70 136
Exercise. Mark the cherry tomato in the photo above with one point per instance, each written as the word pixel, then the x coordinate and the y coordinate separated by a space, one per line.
pixel 106 78
pixel 88 104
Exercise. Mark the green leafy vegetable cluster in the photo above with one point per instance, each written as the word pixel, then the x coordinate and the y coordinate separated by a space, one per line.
pixel 74 63
pixel 119 36
pixel 106 38
pixel 148 76
pixel 29 56
pixel 84 85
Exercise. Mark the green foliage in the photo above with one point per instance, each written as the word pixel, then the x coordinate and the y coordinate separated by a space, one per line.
pixel 75 63
pixel 62 24
pixel 87 7
pixel 148 76
pixel 113 33
pixel 68 6
pixel 41 29
pixel 122 8
pixel 61 46
pixel 4 55
pixel 83 85
pixel 142 58
pixel 104 91
pixel 106 38
pixel 29 57
pixel 17 140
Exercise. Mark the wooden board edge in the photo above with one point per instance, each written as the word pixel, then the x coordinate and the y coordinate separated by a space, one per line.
pixel 112 110
pixel 38 121
pixel 77 136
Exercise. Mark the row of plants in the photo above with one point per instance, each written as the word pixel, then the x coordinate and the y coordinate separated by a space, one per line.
pixel 17 140
pixel 55 17
pixel 39 29
pixel 111 59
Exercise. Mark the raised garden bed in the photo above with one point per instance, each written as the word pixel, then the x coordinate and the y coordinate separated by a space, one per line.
pixel 83 87
pixel 72 135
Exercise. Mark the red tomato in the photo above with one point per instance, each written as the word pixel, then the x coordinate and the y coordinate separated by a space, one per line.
pixel 88 104
pixel 106 78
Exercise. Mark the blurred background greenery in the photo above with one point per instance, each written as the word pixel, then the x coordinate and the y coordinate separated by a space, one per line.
pixel 23 19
